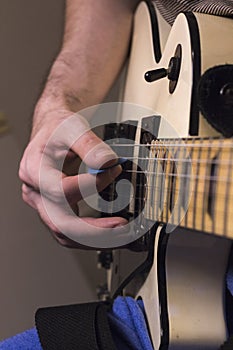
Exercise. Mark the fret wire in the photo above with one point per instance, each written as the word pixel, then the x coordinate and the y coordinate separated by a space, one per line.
pixel 148 193
pixel 180 151
pixel 215 209
pixel 190 154
pixel 214 205
pixel 155 178
pixel 158 194
pixel 205 192
pixel 173 183
pixel 227 195
pixel 163 193
pixel 167 190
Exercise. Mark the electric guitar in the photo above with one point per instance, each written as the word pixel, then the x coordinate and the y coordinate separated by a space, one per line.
pixel 188 191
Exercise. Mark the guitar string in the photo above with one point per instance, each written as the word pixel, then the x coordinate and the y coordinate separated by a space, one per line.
pixel 158 190
pixel 195 177
pixel 163 204
pixel 132 197
pixel 163 145
pixel 159 209
pixel 147 203
pixel 182 160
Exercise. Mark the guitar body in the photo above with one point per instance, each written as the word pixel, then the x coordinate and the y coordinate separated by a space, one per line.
pixel 184 292
pixel 205 42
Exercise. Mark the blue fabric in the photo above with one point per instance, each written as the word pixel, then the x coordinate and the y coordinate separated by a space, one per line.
pixel 229 277
pixel 229 283
pixel 27 340
pixel 128 325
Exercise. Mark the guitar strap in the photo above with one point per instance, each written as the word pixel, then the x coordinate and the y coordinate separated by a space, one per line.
pixel 72 327
pixel 170 9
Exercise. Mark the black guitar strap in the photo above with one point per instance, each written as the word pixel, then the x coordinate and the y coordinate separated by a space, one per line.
pixel 72 327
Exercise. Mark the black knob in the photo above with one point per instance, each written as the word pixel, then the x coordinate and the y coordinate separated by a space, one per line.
pixel 155 74
pixel 173 69
pixel 172 72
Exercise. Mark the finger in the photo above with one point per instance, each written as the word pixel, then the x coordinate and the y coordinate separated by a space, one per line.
pixel 67 242
pixel 58 187
pixel 34 199
pixel 93 151
pixel 75 133
pixel 81 186
pixel 100 233
pixel 91 232
pixel 29 165
pixel 26 190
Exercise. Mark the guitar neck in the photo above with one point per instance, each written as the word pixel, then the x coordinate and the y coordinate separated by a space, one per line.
pixel 190 184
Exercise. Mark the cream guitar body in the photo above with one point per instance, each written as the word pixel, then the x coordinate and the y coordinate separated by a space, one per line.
pixel 205 41
pixel 184 292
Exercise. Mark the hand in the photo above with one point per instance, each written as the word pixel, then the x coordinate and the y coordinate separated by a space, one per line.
pixel 81 76
pixel 47 187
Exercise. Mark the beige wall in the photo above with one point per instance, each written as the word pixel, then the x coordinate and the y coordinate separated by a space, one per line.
pixel 34 270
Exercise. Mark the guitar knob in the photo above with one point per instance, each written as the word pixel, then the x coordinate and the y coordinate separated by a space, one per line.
pixel 172 72
pixel 155 74
pixel 173 69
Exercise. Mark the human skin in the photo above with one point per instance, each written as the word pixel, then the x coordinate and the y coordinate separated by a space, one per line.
pixel 95 46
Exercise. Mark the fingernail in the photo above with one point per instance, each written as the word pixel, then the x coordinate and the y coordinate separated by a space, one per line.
pixel 104 154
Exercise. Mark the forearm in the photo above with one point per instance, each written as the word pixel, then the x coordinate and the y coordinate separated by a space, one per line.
pixel 95 45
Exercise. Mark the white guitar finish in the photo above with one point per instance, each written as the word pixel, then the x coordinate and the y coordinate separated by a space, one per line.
pixel 195 273
pixel 216 48
pixel 150 296
pixel 195 263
